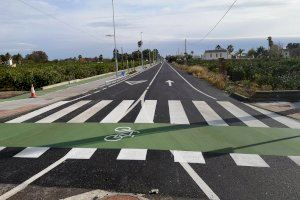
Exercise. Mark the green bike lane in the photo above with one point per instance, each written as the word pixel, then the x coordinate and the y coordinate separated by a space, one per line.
pixel 262 141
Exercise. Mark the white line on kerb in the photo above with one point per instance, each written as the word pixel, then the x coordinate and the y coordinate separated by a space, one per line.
pixel 191 84
pixel 198 180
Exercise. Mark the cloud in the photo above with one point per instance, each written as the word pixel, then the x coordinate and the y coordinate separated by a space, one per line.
pixel 83 25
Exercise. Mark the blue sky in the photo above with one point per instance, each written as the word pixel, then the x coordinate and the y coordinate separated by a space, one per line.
pixel 81 25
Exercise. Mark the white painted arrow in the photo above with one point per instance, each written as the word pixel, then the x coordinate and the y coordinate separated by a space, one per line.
pixel 170 82
pixel 135 82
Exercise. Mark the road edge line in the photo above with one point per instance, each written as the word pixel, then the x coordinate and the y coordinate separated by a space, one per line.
pixel 191 84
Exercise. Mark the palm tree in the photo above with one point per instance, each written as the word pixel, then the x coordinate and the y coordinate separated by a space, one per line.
pixel 230 49
pixel 240 52
pixel 270 41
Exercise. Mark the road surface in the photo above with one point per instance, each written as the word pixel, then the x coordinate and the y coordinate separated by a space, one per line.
pixel 183 137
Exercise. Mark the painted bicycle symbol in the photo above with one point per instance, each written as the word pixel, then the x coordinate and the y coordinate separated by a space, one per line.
pixel 121 132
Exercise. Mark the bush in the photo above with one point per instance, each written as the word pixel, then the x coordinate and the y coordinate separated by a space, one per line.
pixel 43 74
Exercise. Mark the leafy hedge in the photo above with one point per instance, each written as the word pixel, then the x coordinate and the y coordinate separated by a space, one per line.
pixel 43 74
pixel 279 74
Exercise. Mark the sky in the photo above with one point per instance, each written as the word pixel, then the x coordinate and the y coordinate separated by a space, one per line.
pixel 67 28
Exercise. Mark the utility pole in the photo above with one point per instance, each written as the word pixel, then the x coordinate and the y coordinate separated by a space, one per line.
pixel 122 57
pixel 115 40
pixel 153 54
pixel 185 52
pixel 142 56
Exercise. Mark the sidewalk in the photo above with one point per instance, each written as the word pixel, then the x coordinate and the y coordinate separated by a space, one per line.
pixel 17 106
pixel 288 109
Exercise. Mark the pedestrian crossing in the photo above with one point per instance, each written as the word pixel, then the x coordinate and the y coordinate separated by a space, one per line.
pixel 191 157
pixel 109 111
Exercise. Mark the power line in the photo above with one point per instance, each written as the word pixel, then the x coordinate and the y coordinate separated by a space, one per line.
pixel 59 20
pixel 215 26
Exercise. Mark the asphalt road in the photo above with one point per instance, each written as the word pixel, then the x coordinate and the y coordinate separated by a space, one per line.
pixel 162 94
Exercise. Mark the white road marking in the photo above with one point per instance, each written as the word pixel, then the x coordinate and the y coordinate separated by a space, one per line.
pixel 210 116
pixel 37 112
pixel 132 154
pixel 63 112
pixel 291 123
pixel 81 153
pixel 296 159
pixel 83 117
pixel 177 113
pixel 135 82
pixel 142 97
pixel 191 84
pixel 199 181
pixel 32 152
pixel 147 112
pixel 170 82
pixel 72 154
pixel 2 148
pixel 188 157
pixel 118 113
pixel 242 115
pixel 249 160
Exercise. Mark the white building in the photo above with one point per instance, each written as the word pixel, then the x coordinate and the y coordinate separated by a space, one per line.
pixel 216 54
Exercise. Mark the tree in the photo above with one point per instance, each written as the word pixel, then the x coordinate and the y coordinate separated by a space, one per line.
pixel 79 57
pixel 2 58
pixel 292 46
pixel 38 56
pixel 101 58
pixel 251 53
pixel 7 56
pixel 270 41
pixel 230 48
pixel 240 52
pixel 18 58
pixel 261 52
pixel 294 49
pixel 275 51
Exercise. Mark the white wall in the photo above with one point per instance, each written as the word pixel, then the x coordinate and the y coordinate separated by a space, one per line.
pixel 216 56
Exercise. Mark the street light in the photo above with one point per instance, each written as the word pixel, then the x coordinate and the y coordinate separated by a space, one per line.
pixel 115 40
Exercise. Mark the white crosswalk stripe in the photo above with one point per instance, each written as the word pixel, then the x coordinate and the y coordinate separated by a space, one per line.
pixel 81 153
pixel 118 113
pixel 211 117
pixel 192 157
pixel 296 159
pixel 132 154
pixel 32 152
pixel 37 112
pixel 147 112
pixel 188 157
pixel 248 160
pixel 89 112
pixel 291 123
pixel 242 115
pixel 177 113
pixel 63 112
